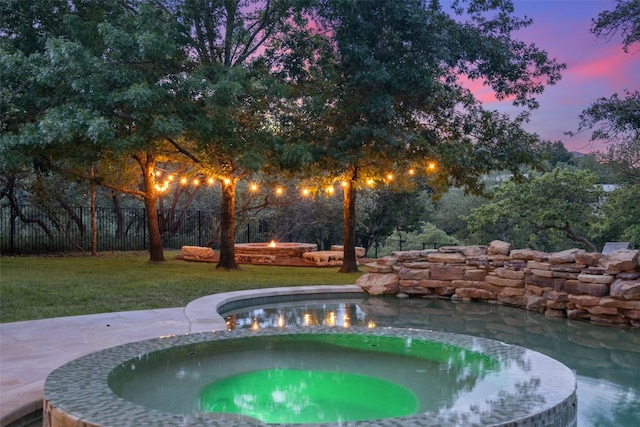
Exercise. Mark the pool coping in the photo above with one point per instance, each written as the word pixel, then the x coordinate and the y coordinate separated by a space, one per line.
pixel 204 313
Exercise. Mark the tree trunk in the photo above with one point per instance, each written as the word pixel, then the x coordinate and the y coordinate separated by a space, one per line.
pixel 349 261
pixel 156 252
pixel 227 227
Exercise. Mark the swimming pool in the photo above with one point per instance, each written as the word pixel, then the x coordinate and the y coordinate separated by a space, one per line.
pixel 604 359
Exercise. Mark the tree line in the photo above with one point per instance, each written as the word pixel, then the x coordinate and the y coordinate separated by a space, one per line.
pixel 118 95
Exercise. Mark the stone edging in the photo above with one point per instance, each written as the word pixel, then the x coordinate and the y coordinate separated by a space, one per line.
pixel 604 289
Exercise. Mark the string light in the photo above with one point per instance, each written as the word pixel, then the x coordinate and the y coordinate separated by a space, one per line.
pixel 430 167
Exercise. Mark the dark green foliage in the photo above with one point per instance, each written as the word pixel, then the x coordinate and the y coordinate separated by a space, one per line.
pixel 547 212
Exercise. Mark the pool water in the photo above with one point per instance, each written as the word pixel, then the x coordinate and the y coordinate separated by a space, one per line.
pixel 604 358
pixel 284 396
pixel 313 377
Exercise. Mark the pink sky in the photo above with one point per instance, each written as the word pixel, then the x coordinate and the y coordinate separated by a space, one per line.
pixel 595 67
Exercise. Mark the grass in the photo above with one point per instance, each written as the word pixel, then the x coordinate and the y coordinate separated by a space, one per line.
pixel 45 287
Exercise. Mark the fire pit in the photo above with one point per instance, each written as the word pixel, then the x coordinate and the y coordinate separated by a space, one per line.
pixel 277 249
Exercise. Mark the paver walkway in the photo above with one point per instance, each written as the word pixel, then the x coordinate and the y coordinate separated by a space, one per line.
pixel 30 350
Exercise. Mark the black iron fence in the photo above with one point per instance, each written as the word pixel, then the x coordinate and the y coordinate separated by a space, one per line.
pixel 37 230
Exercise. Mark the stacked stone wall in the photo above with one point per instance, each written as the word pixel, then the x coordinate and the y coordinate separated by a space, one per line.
pixel 573 283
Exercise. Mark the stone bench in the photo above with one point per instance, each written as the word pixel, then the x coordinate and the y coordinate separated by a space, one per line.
pixel 256 258
pixel 324 258
pixel 360 251
pixel 197 253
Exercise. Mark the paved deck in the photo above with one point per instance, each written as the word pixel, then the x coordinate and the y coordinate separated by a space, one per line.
pixel 30 350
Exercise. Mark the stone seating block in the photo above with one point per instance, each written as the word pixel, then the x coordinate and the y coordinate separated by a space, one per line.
pixel 197 253
pixel 322 258
pixel 360 251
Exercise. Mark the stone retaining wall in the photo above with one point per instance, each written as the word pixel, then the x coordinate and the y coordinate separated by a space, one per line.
pixel 572 283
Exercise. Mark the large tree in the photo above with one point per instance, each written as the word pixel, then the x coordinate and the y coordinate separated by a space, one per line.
pixel 98 80
pixel 234 132
pixel 391 92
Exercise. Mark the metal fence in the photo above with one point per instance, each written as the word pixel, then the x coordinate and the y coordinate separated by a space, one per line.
pixel 37 230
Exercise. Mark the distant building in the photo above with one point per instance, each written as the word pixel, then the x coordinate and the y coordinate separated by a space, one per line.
pixel 615 246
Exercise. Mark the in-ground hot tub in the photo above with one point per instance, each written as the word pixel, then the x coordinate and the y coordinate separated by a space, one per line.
pixel 324 376
pixel 277 249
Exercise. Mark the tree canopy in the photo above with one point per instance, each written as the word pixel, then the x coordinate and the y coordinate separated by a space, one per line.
pixel 394 93
pixel 542 211
pixel 347 90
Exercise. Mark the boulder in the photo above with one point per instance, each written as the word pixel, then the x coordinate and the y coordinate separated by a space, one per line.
pixel 409 274
pixel 446 258
pixel 379 284
pixel 565 257
pixel 374 267
pixel 624 260
pixel 590 259
pixel 528 255
pixel 446 272
pixel 626 289
pixel 580 287
pixel 498 247
pixel 595 278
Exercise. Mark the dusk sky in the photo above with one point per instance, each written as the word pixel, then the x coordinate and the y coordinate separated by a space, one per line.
pixel 595 67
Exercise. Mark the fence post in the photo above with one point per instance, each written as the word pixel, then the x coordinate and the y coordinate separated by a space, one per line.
pixel 144 228
pixel 199 228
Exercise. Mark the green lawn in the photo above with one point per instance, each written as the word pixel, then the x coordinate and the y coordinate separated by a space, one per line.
pixel 44 287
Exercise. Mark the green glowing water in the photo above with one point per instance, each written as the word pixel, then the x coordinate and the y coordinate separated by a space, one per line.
pixel 303 396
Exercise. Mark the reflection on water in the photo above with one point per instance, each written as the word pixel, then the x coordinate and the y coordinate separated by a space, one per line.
pixel 605 359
